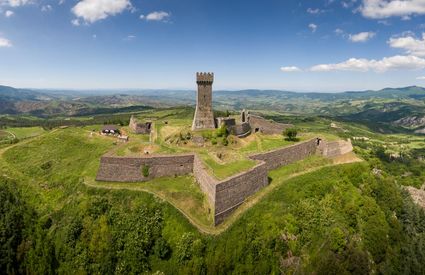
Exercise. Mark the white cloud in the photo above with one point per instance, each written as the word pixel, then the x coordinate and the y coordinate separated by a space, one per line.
pixel 130 37
pixel 409 43
pixel 397 62
pixel 46 8
pixel 290 69
pixel 348 3
pixel 361 37
pixel 5 43
pixel 156 16
pixel 75 22
pixel 94 10
pixel 313 27
pixel 420 78
pixel 339 31
pixel 8 13
pixel 314 11
pixel 378 9
pixel 14 3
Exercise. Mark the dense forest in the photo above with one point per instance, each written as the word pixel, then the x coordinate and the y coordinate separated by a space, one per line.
pixel 333 221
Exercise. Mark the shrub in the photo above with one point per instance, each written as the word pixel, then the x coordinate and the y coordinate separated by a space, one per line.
pixel 184 248
pixel 47 165
pixel 162 249
pixel 290 133
pixel 222 131
pixel 224 141
pixel 214 141
pixel 145 170
pixel 206 135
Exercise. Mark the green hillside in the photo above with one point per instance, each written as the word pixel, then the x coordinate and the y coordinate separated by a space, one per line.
pixel 332 220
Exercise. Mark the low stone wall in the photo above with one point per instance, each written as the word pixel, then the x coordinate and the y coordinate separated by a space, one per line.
pixel 284 156
pixel 232 192
pixel 129 169
pixel 269 127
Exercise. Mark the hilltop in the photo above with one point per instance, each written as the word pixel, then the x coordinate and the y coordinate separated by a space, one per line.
pixel 345 218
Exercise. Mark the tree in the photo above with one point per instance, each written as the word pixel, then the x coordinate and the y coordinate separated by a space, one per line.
pixel 290 133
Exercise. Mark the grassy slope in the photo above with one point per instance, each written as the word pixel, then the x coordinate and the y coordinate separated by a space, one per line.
pixel 27 132
pixel 59 190
pixel 326 211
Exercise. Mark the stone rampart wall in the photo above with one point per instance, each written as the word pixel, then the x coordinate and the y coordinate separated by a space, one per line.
pixel 335 148
pixel 206 181
pixel 232 192
pixel 226 195
pixel 265 126
pixel 284 156
pixel 129 169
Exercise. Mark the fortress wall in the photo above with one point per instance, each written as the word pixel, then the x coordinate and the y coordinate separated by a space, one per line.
pixel 240 130
pixel 139 127
pixel 265 126
pixel 284 156
pixel 232 192
pixel 225 195
pixel 129 169
pixel 335 148
pixel 205 180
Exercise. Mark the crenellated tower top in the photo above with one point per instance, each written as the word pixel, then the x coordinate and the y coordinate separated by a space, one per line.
pixel 204 78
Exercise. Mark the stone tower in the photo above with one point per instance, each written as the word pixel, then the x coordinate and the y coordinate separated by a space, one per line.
pixel 204 117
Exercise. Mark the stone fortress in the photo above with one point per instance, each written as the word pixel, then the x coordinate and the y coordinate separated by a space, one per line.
pixel 204 115
pixel 228 194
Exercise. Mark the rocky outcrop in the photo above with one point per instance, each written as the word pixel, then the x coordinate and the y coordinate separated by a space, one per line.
pixel 418 195
pixel 411 121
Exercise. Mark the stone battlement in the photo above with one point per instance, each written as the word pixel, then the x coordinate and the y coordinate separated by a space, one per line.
pixel 204 78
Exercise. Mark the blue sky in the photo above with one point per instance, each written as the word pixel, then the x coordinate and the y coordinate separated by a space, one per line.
pixel 317 45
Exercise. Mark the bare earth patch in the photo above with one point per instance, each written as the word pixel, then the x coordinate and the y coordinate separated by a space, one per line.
pixel 418 195
pixel 346 158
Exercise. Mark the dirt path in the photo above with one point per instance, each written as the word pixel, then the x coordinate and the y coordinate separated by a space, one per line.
pixel 10 133
pixel 25 141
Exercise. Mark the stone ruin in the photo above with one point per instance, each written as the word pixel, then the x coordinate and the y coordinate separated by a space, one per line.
pixel 262 125
pixel 204 116
pixel 140 127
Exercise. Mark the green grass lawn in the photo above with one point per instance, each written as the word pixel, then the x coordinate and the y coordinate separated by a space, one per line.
pixel 54 163
pixel 26 132
pixel 222 171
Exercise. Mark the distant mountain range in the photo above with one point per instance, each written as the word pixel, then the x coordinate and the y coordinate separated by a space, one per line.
pixel 398 107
